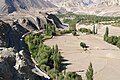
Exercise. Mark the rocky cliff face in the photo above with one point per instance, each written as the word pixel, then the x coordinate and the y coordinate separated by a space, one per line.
pixel 17 66
pixel 4 30
pixel 15 60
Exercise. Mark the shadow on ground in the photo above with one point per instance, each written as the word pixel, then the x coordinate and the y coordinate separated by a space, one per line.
pixel 64 63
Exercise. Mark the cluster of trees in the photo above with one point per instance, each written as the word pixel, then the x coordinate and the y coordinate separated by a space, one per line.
pixel 47 58
pixel 89 18
pixel 50 30
pixel 85 30
pixel 115 40
pixel 94 18
pixel 70 76
pixel 88 31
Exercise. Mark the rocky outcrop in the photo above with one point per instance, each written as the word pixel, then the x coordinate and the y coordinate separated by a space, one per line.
pixel 14 65
pixel 4 30
pixel 11 35
pixel 17 66
pixel 53 19
pixel 15 59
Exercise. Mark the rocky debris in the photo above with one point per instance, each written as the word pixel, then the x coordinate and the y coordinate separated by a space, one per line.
pixel 53 19
pixel 4 30
pixel 17 66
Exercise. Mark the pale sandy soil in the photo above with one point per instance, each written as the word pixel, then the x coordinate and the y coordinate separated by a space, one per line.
pixel 104 57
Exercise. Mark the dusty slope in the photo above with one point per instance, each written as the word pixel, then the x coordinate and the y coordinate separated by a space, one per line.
pixel 10 6
pixel 105 57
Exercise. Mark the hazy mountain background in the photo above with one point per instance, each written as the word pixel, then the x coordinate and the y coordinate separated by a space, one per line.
pixel 74 3
pixel 10 6
pixel 94 7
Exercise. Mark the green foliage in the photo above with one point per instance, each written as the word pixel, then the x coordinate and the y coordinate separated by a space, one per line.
pixel 94 30
pixel 50 30
pixel 70 76
pixel 85 30
pixel 65 32
pixel 88 19
pixel 48 58
pixel 112 39
pixel 52 74
pixel 89 73
pixel 106 33
pixel 74 33
pixel 118 44
pixel 72 25
pixel 83 45
pixel 66 20
pixel 56 58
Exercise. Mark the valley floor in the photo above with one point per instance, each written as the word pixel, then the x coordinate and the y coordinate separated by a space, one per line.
pixel 104 56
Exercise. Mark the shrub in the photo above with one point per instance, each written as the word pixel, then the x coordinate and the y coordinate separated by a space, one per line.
pixel 89 73
pixel 85 30
pixel 84 46
pixel 112 39
pixel 65 32
pixel 74 33
pixel 94 32
pixel 118 44
pixel 72 76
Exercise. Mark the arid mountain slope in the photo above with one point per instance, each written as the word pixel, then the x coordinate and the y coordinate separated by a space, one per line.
pixel 74 3
pixel 10 6
pixel 92 7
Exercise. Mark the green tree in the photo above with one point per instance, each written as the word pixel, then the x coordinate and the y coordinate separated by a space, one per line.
pixel 112 39
pixel 83 45
pixel 56 48
pixel 106 33
pixel 72 25
pixel 89 73
pixel 118 44
pixel 94 32
pixel 72 76
pixel 74 33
